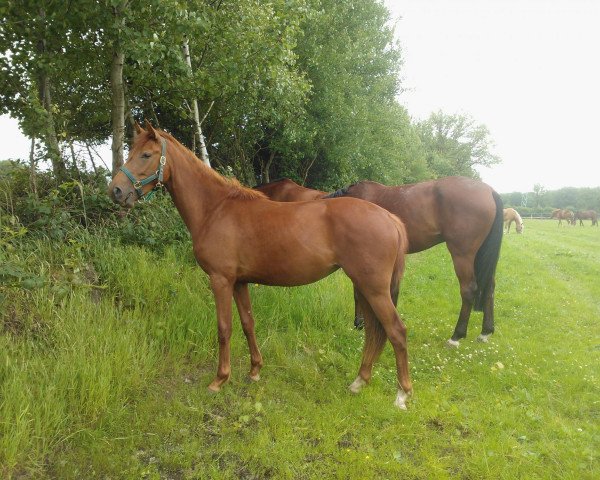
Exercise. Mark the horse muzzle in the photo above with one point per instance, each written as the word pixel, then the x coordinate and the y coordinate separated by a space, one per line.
pixel 122 195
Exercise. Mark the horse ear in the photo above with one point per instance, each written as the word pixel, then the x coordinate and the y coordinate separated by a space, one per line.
pixel 151 130
pixel 138 129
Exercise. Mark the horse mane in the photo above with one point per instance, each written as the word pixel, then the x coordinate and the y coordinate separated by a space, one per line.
pixel 277 180
pixel 518 216
pixel 235 188
pixel 342 192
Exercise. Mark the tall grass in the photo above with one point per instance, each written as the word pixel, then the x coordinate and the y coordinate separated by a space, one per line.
pixel 115 385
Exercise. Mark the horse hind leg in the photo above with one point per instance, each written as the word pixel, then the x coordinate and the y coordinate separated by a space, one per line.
pixel 465 271
pixel 358 314
pixel 488 315
pixel 374 342
pixel 395 330
pixel 385 317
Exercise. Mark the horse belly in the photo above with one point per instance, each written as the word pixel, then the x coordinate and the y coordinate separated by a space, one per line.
pixel 288 260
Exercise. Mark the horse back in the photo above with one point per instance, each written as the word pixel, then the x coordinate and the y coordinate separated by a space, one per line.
pixel 456 210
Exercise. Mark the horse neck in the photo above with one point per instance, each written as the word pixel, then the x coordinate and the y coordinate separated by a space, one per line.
pixel 194 189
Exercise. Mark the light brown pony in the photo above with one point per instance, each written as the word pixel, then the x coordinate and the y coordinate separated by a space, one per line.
pixel 586 215
pixel 561 215
pixel 511 215
pixel 240 236
pixel 286 190
pixel 466 214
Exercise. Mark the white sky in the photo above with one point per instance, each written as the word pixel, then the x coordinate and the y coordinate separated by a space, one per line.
pixel 527 69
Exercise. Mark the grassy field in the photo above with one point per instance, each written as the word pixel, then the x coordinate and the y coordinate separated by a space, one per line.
pixel 111 382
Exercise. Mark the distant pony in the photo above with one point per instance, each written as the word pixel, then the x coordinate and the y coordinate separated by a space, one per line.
pixel 511 215
pixel 586 215
pixel 563 215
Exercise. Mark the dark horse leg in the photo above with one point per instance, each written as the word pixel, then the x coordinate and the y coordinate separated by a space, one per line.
pixel 465 271
pixel 488 314
pixel 359 319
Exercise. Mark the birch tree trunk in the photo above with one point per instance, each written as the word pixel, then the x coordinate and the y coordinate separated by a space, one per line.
pixel 118 90
pixel 198 128
pixel 32 169
pixel 49 134
pixel 118 109
pixel 91 158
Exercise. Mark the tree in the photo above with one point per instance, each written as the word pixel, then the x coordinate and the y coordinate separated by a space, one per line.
pixel 455 145
pixel 538 193
pixel 31 40
pixel 354 127
pixel 301 88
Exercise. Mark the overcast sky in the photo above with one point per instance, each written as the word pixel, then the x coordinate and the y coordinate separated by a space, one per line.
pixel 527 69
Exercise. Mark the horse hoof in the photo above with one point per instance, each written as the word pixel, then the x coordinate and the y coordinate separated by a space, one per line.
pixel 483 338
pixel 357 385
pixel 401 398
pixel 213 389
pixel 253 378
pixel 452 343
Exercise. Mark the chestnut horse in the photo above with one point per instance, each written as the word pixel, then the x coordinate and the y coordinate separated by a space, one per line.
pixel 239 236
pixel 511 215
pixel 586 215
pixel 286 190
pixel 561 215
pixel 466 214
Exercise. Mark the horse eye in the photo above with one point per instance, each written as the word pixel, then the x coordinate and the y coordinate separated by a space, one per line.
pixel 146 155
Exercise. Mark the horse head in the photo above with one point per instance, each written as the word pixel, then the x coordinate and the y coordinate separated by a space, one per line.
pixel 144 170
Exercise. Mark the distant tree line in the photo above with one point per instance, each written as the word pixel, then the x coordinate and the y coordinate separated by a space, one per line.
pixel 305 89
pixel 542 201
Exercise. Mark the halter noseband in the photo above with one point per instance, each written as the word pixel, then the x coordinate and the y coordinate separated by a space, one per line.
pixel 158 175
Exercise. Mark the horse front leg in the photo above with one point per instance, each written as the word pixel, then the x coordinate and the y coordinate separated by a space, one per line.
pixel 242 300
pixel 222 290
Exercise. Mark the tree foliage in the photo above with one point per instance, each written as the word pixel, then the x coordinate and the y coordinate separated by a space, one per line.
pixel 568 198
pixel 299 88
pixel 455 145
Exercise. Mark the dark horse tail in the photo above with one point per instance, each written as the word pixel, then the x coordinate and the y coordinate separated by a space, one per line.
pixel 487 257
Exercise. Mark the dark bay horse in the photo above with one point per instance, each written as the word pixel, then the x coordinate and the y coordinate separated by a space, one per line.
pixel 586 215
pixel 286 190
pixel 466 214
pixel 240 236
pixel 511 215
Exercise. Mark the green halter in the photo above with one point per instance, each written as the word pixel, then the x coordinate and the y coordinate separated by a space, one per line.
pixel 158 175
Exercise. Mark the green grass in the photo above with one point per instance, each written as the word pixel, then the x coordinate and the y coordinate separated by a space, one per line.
pixel 115 386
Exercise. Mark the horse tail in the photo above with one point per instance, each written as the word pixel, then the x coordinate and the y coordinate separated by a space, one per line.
pixel 487 257
pixel 398 271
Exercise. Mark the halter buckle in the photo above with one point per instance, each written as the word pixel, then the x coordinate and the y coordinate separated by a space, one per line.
pixel 163 160
pixel 137 185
